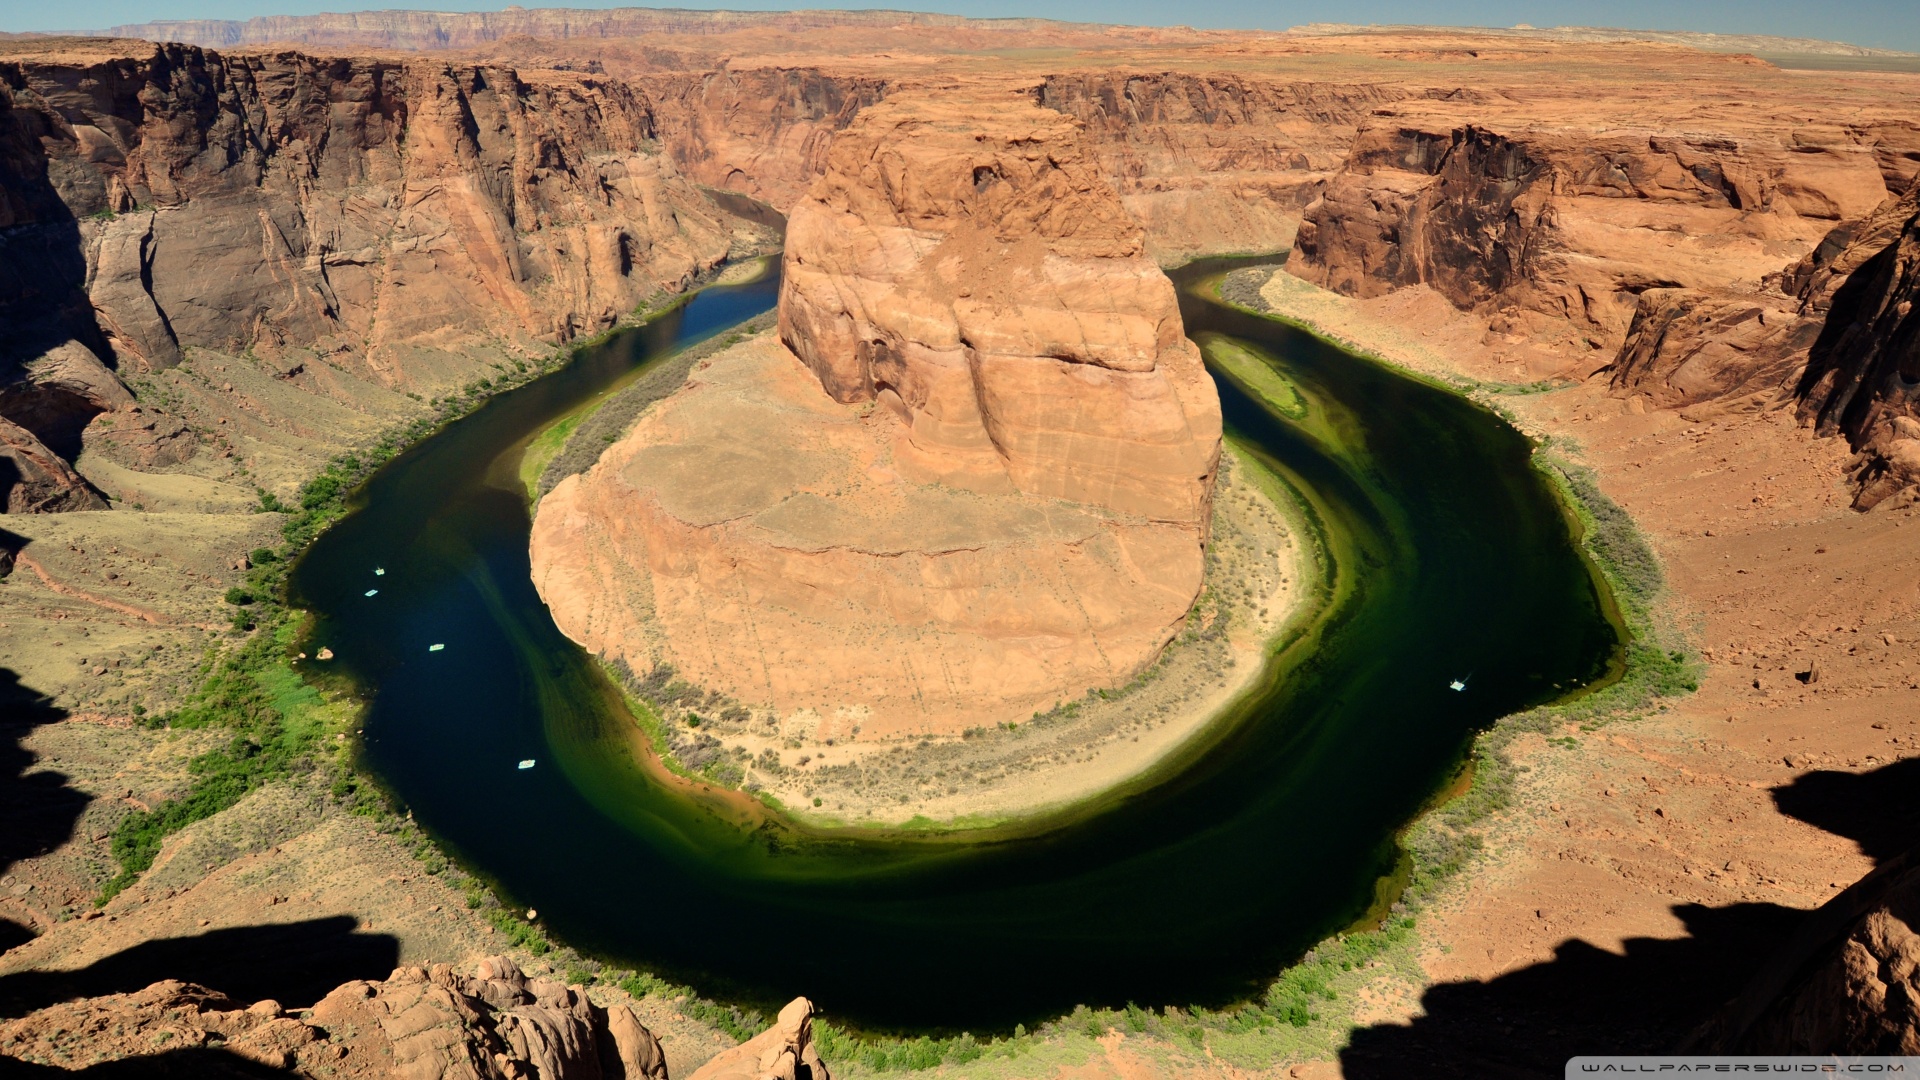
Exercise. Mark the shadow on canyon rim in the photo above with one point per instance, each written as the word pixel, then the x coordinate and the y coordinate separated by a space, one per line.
pixel 1823 879
pixel 1649 997
pixel 40 808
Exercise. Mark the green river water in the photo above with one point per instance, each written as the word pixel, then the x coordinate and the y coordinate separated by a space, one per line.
pixel 1445 555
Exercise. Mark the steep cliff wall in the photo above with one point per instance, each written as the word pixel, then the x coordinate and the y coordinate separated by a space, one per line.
pixel 974 481
pixel 1558 232
pixel 1863 374
pixel 384 216
pixel 761 131
pixel 1212 163
pixel 1830 334
pixel 984 282
pixel 1205 163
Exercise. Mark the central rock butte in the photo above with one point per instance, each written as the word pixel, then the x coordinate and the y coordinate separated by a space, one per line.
pixel 971 477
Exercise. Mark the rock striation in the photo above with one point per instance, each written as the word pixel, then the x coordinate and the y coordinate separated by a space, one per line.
pixel 764 132
pixel 1863 373
pixel 1558 232
pixel 1747 271
pixel 1830 335
pixel 1219 161
pixel 970 479
pixel 986 286
pixel 394 218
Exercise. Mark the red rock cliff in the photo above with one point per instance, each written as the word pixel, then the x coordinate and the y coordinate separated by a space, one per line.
pixel 387 215
pixel 982 281
pixel 1560 231
pixel 973 482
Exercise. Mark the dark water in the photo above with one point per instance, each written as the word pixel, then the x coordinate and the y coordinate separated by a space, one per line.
pixel 1448 556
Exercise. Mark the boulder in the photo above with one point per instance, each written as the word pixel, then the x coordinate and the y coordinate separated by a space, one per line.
pixel 782 1052
pixel 1848 983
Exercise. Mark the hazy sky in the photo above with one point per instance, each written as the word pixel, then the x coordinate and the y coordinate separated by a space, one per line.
pixel 1888 24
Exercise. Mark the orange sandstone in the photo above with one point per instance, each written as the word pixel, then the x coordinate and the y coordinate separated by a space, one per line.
pixel 972 477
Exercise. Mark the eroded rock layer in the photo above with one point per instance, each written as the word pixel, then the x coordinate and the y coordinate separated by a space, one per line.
pixel 970 479
pixel 1863 374
pixel 981 280
pixel 1560 231
pixel 391 219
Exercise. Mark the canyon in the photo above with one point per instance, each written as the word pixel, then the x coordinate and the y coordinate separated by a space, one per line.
pixel 225 263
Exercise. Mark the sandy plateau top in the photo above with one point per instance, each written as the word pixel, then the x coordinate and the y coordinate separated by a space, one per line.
pixel 755 535
pixel 812 475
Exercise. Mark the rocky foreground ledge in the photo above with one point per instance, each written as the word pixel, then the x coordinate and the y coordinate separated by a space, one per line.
pixel 420 1023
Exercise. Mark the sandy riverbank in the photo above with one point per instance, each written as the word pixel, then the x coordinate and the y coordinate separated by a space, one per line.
pixel 845 763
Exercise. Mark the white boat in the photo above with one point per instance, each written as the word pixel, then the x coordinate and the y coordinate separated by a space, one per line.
pixel 373 592
pixel 1458 684
pixel 435 648
pixel 526 763
pixel 379 572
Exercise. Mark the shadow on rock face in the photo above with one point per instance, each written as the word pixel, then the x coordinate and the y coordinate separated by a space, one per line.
pixel 295 964
pixel 39 809
pixel 186 1064
pixel 1587 1000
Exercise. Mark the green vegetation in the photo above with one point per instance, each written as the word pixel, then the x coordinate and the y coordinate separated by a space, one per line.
pixel 277 722
pixel 277 725
pixel 544 448
pixel 1258 376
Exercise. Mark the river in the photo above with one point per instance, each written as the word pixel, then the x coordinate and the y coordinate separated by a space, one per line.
pixel 1446 554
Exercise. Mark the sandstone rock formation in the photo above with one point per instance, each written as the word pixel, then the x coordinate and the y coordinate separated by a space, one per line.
pixel 1848 983
pixel 426 1022
pixel 1743 269
pixel 34 479
pixel 998 501
pixel 1215 162
pixel 1558 232
pixel 1863 374
pixel 764 132
pixel 1830 334
pixel 782 1052
pixel 1688 346
pixel 391 217
pixel 986 286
